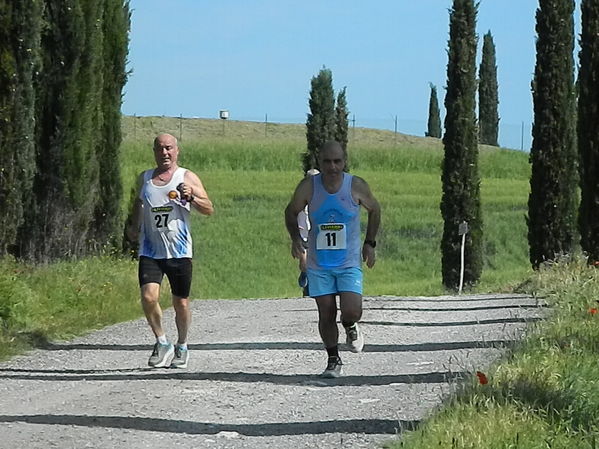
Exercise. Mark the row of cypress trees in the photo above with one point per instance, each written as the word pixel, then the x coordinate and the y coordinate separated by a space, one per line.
pixel 62 71
pixel 565 149
pixel 488 99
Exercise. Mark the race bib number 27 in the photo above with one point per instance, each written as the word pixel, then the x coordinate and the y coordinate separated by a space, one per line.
pixel 331 236
pixel 161 218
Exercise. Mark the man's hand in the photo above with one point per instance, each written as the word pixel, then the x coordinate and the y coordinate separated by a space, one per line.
pixel 132 233
pixel 186 191
pixel 368 255
pixel 297 248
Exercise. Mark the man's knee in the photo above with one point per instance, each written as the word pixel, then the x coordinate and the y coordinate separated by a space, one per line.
pixel 180 304
pixel 327 309
pixel 351 306
pixel 150 293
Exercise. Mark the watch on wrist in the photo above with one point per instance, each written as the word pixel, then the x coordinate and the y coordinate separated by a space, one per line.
pixel 371 243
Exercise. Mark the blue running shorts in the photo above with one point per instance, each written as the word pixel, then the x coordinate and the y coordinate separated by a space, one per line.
pixel 333 281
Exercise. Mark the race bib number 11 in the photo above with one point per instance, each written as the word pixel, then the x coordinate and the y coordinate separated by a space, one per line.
pixel 331 236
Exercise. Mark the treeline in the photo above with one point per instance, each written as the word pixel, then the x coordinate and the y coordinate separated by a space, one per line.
pixel 488 97
pixel 62 71
pixel 564 187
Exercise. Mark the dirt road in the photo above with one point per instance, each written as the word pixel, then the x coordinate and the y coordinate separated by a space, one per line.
pixel 252 380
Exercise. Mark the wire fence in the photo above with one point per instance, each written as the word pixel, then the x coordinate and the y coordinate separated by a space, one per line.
pixel 516 136
pixel 513 136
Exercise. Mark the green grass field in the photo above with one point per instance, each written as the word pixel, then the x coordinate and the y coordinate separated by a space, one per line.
pixel 544 394
pixel 243 250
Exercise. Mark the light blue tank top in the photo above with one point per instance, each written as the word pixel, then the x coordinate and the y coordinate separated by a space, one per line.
pixel 334 239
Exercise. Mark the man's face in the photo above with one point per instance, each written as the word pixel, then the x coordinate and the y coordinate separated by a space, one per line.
pixel 332 161
pixel 166 151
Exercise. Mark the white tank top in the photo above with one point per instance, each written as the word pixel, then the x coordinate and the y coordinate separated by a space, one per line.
pixel 165 230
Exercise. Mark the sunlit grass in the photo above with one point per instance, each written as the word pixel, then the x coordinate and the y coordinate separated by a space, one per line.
pixel 543 395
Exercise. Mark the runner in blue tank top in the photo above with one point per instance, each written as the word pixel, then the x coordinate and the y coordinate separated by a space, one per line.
pixel 335 248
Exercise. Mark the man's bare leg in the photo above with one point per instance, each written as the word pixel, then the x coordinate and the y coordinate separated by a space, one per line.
pixel 150 296
pixel 182 317
pixel 327 320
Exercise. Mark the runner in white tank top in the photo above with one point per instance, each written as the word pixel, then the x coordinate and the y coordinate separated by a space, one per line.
pixel 166 196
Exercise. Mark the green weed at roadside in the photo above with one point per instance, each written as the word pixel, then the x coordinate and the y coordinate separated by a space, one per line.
pixel 58 301
pixel 545 394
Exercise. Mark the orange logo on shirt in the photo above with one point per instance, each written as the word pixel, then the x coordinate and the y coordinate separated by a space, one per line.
pixel 173 194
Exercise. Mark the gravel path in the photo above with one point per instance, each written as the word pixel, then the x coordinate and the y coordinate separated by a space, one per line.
pixel 252 378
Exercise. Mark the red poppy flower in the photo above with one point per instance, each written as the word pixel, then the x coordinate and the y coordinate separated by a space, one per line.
pixel 592 310
pixel 482 379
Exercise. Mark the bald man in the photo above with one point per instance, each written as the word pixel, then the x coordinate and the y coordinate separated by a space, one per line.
pixel 335 249
pixel 166 196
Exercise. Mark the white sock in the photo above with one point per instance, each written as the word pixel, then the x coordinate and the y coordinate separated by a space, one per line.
pixel 182 346
pixel 162 339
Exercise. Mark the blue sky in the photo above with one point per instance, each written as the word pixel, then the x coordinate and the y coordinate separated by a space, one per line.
pixel 256 59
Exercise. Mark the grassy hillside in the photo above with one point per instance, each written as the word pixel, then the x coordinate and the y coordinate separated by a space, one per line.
pixel 243 250
pixel 138 129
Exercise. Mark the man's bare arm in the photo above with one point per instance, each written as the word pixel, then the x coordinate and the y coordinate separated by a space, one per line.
pixel 299 200
pixel 136 212
pixel 192 186
pixel 362 194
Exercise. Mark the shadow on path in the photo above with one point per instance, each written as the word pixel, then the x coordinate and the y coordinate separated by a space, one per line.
pixel 454 323
pixel 291 345
pixel 368 426
pixel 459 309
pixel 279 379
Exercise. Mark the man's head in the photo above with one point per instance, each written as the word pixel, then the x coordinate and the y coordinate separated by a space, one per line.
pixel 331 158
pixel 166 151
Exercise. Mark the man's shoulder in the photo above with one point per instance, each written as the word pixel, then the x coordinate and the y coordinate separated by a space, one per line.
pixel 187 172
pixel 358 182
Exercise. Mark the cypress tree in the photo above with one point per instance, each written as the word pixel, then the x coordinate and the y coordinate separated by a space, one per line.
pixel 552 200
pixel 341 123
pixel 20 25
pixel 320 124
pixel 434 115
pixel 49 231
pixel 588 132
pixel 488 99
pixel 108 215
pixel 460 178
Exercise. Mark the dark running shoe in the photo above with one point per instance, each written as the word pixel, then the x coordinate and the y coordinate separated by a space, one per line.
pixel 333 368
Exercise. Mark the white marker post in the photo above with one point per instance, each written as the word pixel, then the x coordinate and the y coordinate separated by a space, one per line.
pixel 224 115
pixel 462 230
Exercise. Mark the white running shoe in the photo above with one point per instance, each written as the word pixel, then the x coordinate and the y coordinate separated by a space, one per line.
pixel 161 355
pixel 355 338
pixel 181 357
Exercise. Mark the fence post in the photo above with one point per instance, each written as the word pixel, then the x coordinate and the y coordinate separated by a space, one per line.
pixel 462 230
